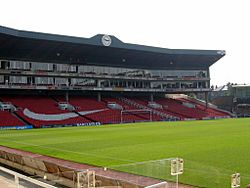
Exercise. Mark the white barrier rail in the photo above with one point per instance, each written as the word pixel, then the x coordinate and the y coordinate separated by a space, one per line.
pixel 161 184
pixel 20 176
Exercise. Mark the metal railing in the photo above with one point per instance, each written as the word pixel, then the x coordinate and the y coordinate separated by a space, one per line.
pixel 18 176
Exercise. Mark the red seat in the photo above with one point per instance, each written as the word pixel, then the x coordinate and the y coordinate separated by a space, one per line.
pixel 7 119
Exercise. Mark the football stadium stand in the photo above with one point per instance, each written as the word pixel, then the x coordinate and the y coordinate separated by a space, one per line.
pixel 52 80
pixel 41 111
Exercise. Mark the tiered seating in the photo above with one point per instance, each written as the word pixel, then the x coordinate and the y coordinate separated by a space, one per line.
pixel 40 109
pixel 210 112
pixel 180 110
pixel 41 105
pixel 107 115
pixel 7 119
pixel 88 104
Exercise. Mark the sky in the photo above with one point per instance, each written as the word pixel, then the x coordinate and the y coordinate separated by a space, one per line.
pixel 176 24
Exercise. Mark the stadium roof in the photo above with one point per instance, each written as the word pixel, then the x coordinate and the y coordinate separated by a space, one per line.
pixel 241 85
pixel 101 50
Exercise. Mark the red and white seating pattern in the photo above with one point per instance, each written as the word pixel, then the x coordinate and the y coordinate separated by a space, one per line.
pixel 40 105
pixel 43 106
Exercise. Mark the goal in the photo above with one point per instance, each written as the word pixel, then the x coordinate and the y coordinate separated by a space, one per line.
pixel 141 114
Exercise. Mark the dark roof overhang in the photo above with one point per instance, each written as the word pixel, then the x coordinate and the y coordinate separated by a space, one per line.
pixel 42 47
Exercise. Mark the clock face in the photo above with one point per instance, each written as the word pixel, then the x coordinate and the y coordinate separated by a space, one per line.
pixel 106 40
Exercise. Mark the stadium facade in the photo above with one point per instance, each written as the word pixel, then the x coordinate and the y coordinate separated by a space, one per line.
pixel 47 67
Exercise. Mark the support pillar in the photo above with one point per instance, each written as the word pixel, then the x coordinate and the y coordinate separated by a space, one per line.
pixel 67 96
pixel 151 97
pixel 99 97
pixel 151 85
pixel 98 83
pixel 208 76
pixel 206 98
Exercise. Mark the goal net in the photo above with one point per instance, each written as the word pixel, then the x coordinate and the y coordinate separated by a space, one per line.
pixel 140 115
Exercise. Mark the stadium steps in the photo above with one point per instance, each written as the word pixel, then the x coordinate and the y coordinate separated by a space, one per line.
pixel 85 117
pixel 55 99
pixel 22 119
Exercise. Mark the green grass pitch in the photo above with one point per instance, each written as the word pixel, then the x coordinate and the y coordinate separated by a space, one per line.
pixel 212 150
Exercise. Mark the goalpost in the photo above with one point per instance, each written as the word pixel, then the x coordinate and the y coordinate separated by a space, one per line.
pixel 138 112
